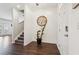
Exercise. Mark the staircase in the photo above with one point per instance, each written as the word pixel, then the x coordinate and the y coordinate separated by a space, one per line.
pixel 20 39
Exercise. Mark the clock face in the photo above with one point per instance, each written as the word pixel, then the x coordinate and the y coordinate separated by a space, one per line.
pixel 41 21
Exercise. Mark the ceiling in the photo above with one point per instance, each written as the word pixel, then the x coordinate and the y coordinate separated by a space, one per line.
pixel 6 8
pixel 46 6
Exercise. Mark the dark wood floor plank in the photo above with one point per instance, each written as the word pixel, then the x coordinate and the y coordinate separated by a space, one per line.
pixel 30 49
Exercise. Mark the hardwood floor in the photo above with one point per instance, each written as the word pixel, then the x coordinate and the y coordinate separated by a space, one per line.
pixel 6 48
pixel 45 49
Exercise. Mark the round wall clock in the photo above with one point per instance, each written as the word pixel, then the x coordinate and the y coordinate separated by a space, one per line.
pixel 42 20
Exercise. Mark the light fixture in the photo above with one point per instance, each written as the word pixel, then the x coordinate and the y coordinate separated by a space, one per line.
pixel 18 6
pixel 37 4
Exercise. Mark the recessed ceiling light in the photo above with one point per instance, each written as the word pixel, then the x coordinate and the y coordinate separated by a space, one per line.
pixel 18 6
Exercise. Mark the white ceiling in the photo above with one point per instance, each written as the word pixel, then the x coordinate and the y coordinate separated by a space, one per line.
pixel 6 8
pixel 9 6
pixel 47 6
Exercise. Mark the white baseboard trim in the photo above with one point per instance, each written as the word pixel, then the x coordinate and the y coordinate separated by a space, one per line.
pixel 59 48
pixel 27 43
pixel 47 42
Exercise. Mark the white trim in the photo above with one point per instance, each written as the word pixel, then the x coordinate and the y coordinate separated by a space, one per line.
pixel 59 48
pixel 25 44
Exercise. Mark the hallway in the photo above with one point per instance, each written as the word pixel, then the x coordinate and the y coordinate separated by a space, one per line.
pixel 6 48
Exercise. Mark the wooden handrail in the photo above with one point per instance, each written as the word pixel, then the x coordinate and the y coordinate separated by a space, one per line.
pixel 76 6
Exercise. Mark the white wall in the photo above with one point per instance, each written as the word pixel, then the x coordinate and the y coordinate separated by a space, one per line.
pixel 50 33
pixel 5 14
pixel 17 27
pixel 31 27
pixel 63 20
pixel 28 26
pixel 69 16
pixel 74 31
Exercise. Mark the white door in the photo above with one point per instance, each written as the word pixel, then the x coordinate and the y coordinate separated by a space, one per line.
pixel 62 29
pixel 74 32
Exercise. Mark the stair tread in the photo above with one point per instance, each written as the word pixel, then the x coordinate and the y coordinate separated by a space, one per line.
pixel 19 40
pixel 19 43
pixel 22 32
pixel 20 37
